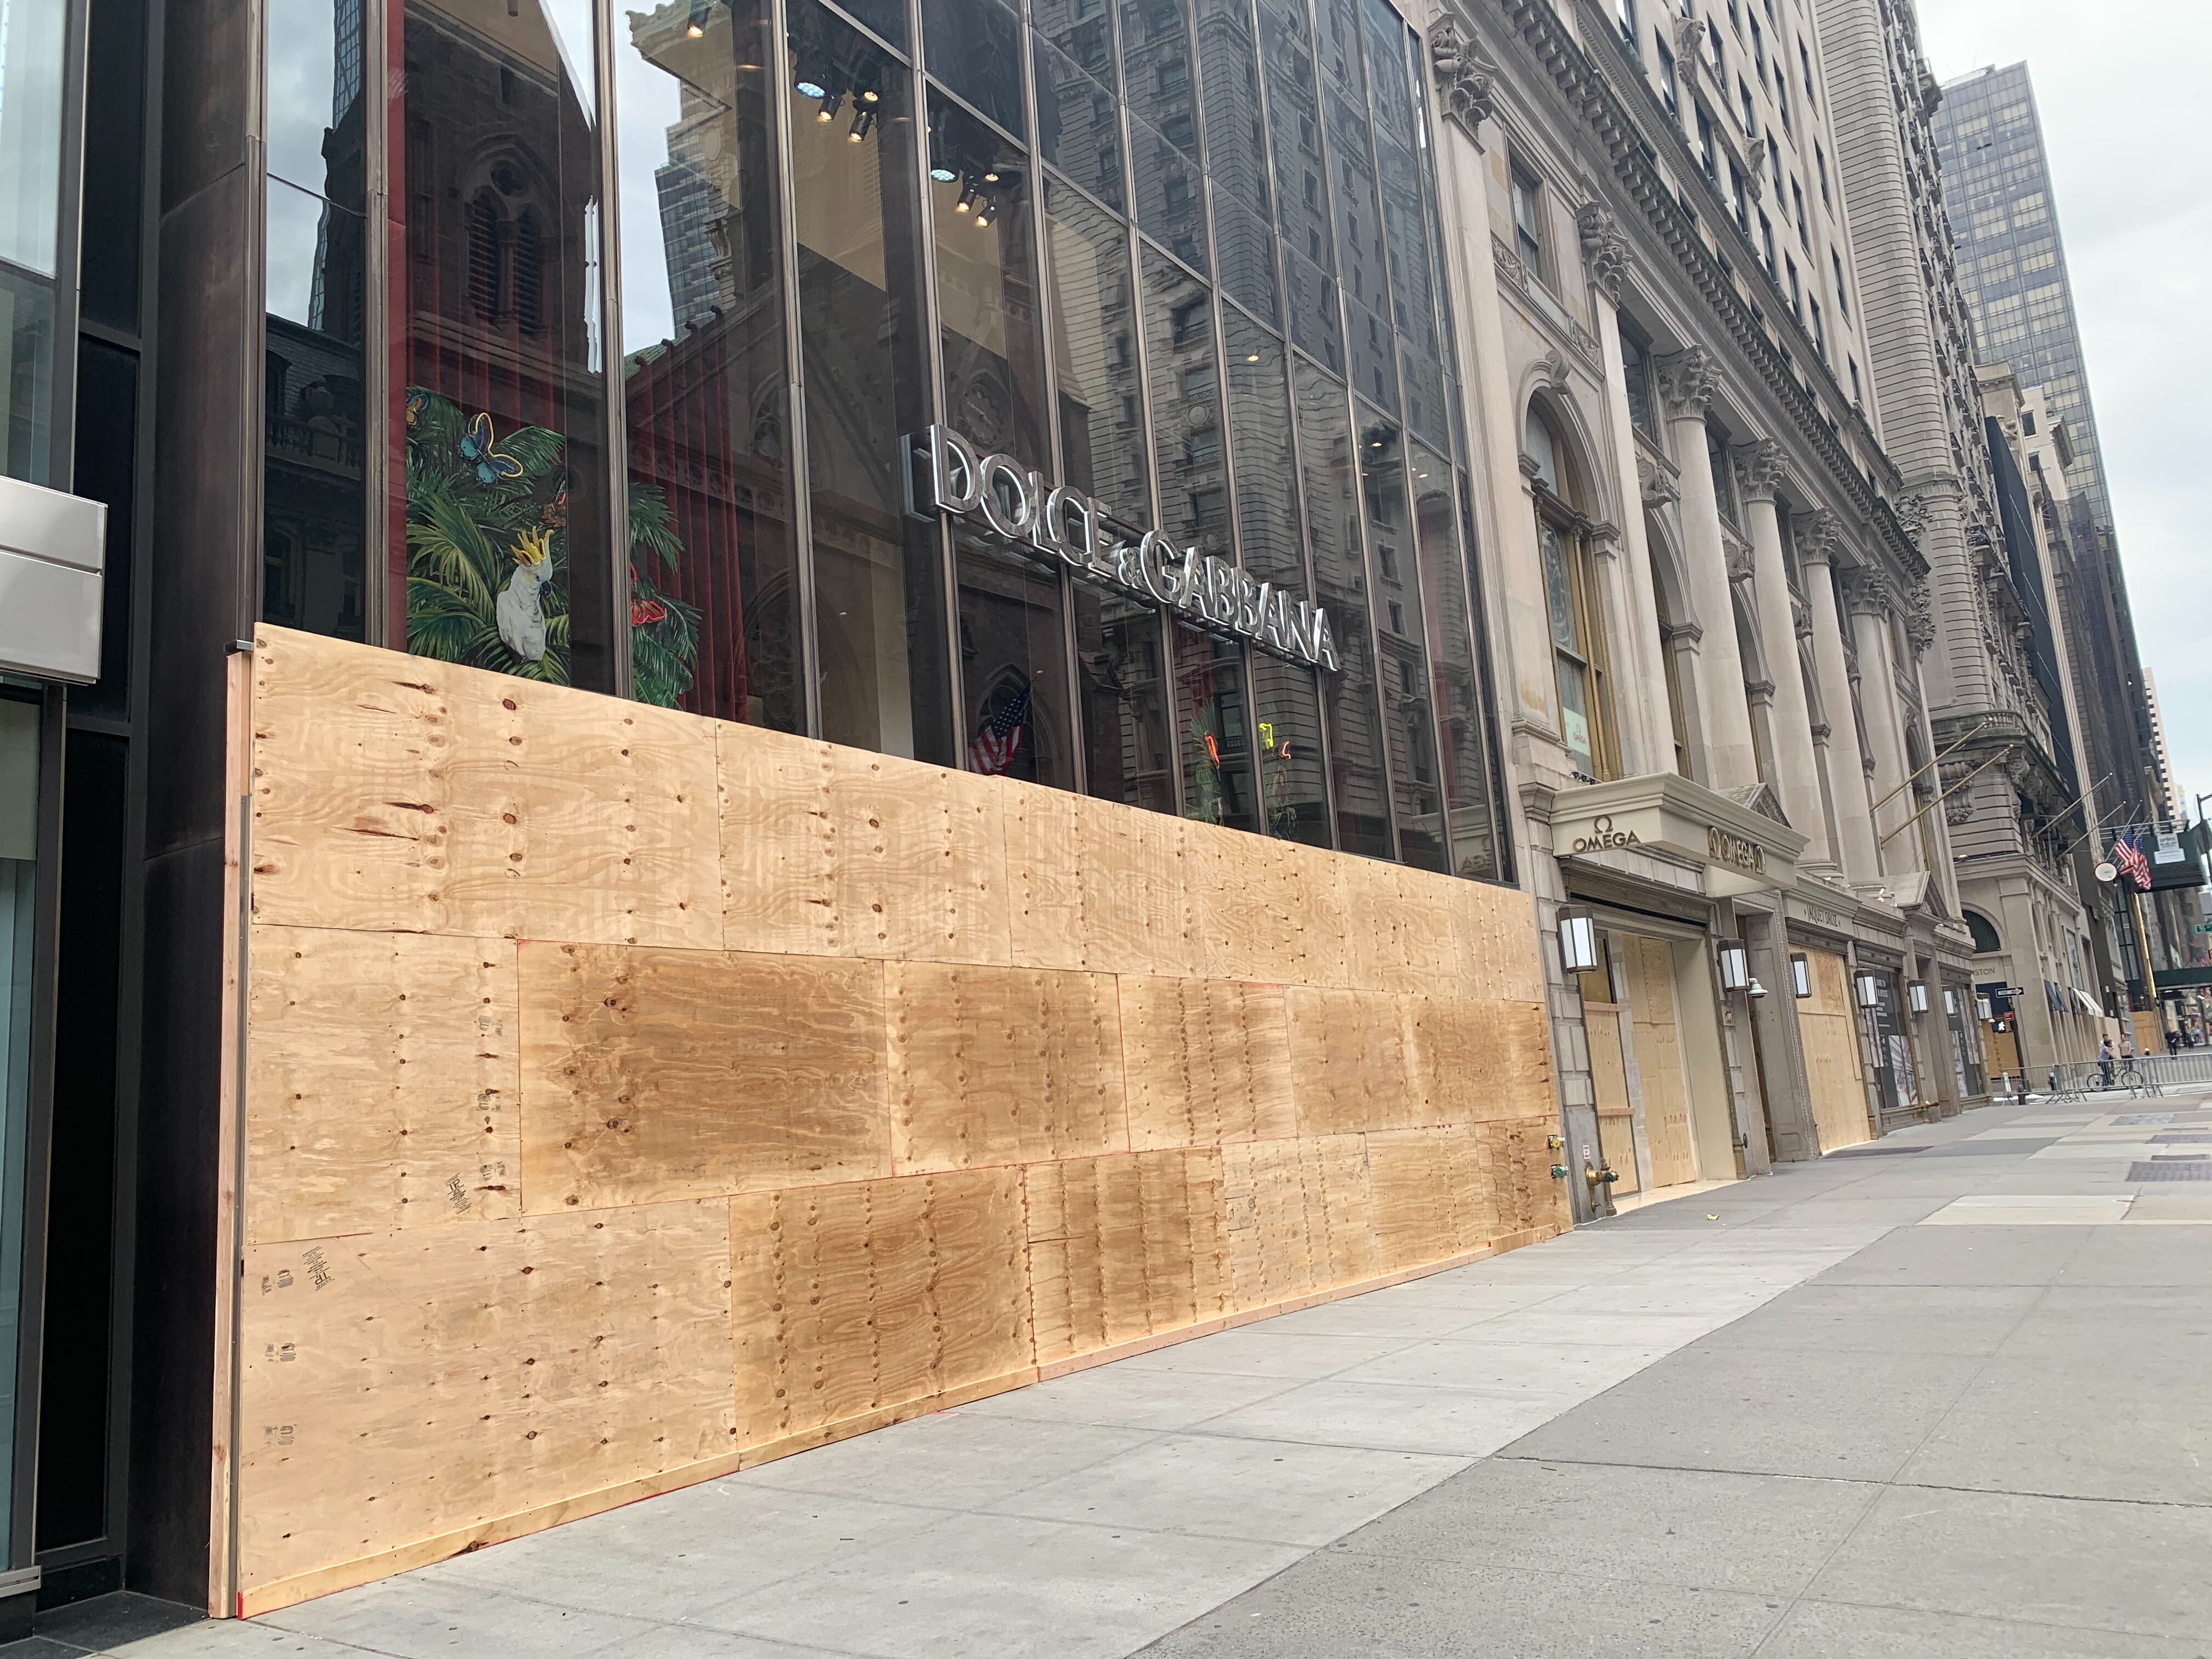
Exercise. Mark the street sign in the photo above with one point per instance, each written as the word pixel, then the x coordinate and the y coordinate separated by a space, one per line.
pixel 2015 990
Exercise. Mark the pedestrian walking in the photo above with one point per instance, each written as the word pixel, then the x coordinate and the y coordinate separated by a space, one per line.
pixel 2104 1061
pixel 2173 1041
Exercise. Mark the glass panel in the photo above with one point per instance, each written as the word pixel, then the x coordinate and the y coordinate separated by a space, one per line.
pixel 1236 137
pixel 1455 668
pixel 313 499
pixel 1338 45
pixel 31 36
pixel 1094 349
pixel 1389 95
pixel 1300 175
pixel 1310 296
pixel 1014 664
pixel 1408 717
pixel 714 615
pixel 1156 70
pixel 506 531
pixel 1287 712
pixel 879 573
pixel 1083 29
pixel 1186 399
pixel 1247 253
pixel 974 47
pixel 1574 714
pixel 886 17
pixel 19 887
pixel 1125 714
pixel 1170 194
pixel 106 462
pixel 1358 215
pixel 1559 592
pixel 1268 532
pixel 1374 355
pixel 316 116
pixel 1331 502
pixel 993 353
pixel 113 227
pixel 27 389
pixel 1079 124
pixel 1216 743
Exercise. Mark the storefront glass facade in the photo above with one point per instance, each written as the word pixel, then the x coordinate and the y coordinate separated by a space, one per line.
pixel 671 293
pixel 20 799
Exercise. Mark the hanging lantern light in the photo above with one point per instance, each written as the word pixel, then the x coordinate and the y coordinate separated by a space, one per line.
pixel 1735 965
pixel 1577 940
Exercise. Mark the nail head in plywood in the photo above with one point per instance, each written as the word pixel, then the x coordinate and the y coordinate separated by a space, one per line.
pixel 1124 1247
pixel 651 1074
pixel 1044 878
pixel 777 843
pixel 1139 911
pixel 1208 1060
pixel 382 1083
pixel 853 1299
pixel 995 1065
pixel 398 1385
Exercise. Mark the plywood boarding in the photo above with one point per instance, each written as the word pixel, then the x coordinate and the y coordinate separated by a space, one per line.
pixel 658 1074
pixel 823 1086
pixel 400 1384
pixel 1829 1029
pixel 848 1298
pixel 1002 1065
pixel 392 793
pixel 1616 1111
pixel 383 1087
pixel 1659 1061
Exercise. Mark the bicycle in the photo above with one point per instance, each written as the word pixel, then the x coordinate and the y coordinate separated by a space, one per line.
pixel 2132 1080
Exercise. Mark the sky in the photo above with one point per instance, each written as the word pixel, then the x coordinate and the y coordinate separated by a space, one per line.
pixel 2120 93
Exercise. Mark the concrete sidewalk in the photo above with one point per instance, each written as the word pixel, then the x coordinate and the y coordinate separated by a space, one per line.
pixel 1943 1395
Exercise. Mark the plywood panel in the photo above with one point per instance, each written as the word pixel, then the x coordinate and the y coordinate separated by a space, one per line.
pixel 1834 1071
pixel 1494 940
pixel 1352 1062
pixel 1124 1247
pixel 1138 912
pixel 1340 1172
pixel 1001 1066
pixel 1251 918
pixel 382 1085
pixel 1273 1222
pixel 848 1298
pixel 1659 1061
pixel 659 1074
pixel 1312 889
pixel 777 843
pixel 397 793
pixel 1044 878
pixel 400 1384
pixel 1475 1060
pixel 920 860
pixel 1207 1061
pixel 1616 1112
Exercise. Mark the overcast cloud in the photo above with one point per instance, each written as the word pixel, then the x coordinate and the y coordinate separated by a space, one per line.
pixel 2120 92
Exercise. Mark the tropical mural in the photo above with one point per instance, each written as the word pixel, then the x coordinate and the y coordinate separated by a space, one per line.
pixel 487 555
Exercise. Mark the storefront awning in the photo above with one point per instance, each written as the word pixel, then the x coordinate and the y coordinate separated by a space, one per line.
pixel 2089 1003
pixel 1742 850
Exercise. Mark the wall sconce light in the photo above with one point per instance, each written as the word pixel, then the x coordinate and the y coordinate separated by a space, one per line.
pixel 1577 940
pixel 1983 1011
pixel 1916 996
pixel 1950 1001
pixel 1801 977
pixel 1735 965
pixel 1756 991
pixel 1869 989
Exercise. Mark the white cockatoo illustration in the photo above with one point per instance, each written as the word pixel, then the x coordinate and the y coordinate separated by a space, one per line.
pixel 519 613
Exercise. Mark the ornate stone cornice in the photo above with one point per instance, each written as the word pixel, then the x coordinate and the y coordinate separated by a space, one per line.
pixel 1757 468
pixel 1686 383
pixel 1919 618
pixel 1866 592
pixel 1912 517
pixel 1467 81
pixel 1655 484
pixel 1604 247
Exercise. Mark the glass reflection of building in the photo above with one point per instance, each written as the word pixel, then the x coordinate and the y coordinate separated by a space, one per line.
pixel 1183 254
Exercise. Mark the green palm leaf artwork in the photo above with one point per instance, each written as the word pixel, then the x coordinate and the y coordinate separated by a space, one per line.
pixel 487 555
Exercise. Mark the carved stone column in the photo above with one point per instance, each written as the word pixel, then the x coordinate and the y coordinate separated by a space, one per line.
pixel 1685 389
pixel 1758 469
pixel 1870 601
pixel 1816 550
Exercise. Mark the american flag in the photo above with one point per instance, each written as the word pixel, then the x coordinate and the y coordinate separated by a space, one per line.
pixel 2128 853
pixel 1000 739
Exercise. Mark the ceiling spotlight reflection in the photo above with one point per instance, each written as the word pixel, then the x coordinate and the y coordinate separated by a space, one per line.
pixel 990 178
pixel 943 175
pixel 967 199
pixel 813 90
pixel 869 97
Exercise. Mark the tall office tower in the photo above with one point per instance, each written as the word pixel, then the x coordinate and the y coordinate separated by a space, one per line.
pixel 1997 701
pixel 2012 273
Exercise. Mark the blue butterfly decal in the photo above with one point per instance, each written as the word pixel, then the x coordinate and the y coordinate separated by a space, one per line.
pixel 492 464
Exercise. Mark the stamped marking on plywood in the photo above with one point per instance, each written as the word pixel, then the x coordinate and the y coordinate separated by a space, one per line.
pixel 318 1268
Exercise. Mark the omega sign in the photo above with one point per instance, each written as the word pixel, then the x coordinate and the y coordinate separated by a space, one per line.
pixel 1603 837
pixel 1015 504
pixel 1737 852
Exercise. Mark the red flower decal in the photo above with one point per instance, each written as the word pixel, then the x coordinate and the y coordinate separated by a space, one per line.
pixel 645 612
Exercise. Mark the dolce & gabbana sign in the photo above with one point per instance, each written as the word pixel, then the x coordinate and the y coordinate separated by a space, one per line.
pixel 1013 504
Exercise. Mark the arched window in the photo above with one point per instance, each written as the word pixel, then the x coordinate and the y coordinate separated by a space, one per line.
pixel 1986 942
pixel 1571 595
pixel 529 274
pixel 484 258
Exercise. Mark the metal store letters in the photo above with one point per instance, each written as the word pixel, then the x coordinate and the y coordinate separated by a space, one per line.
pixel 1015 504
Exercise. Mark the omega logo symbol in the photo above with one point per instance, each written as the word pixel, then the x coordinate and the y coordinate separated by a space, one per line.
pixel 1603 837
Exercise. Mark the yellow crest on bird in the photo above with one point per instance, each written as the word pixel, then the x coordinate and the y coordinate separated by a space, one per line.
pixel 530 547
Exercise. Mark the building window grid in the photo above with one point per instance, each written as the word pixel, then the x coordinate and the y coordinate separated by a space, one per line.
pixel 928 85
